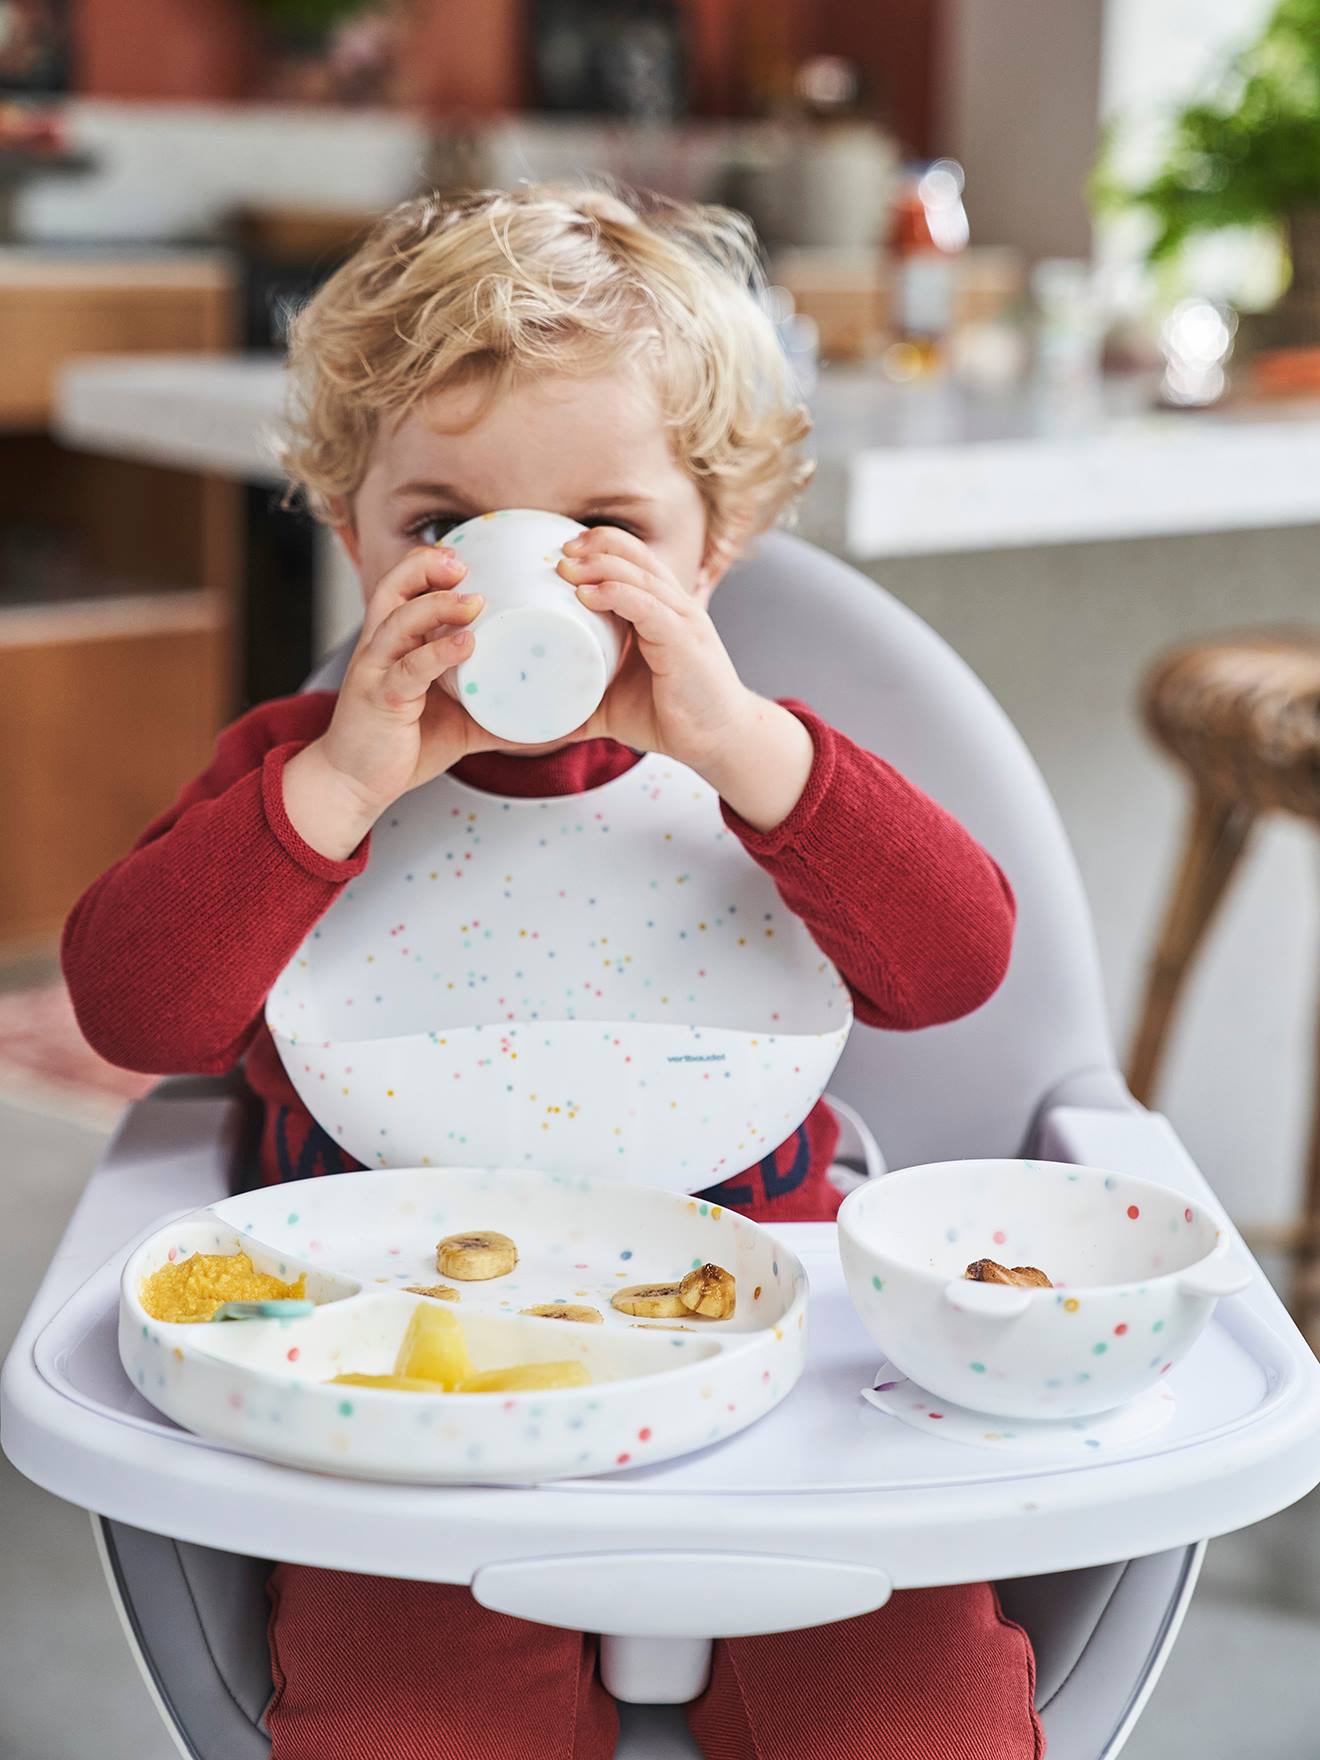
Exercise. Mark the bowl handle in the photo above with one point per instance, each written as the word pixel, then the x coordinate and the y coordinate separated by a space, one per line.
pixel 1214 1278
pixel 990 1301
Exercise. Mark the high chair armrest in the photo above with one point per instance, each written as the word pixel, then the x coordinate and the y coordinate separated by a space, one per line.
pixel 1125 1139
pixel 1129 1139
pixel 175 1150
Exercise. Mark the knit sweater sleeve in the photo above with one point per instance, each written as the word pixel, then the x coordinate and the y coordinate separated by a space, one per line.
pixel 169 956
pixel 911 909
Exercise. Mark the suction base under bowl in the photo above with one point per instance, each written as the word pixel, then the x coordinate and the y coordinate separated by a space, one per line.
pixel 1099 1436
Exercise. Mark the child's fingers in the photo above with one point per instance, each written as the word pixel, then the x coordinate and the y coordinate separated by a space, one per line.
pixel 414 621
pixel 605 567
pixel 429 568
pixel 614 541
pixel 413 675
pixel 653 619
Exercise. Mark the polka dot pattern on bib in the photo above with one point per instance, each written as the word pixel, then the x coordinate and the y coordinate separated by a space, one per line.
pixel 604 983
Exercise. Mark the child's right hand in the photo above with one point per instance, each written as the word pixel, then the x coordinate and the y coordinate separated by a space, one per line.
pixel 390 731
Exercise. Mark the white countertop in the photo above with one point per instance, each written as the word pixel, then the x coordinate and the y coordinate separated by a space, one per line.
pixel 903 472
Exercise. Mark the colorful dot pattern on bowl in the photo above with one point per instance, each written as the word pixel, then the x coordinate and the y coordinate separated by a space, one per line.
pixel 605 981
pixel 385 1219
pixel 1070 1349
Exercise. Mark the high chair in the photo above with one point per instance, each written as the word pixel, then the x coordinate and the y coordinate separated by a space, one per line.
pixel 1098 1562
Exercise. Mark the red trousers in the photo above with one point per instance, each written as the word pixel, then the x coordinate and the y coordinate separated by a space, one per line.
pixel 369 1668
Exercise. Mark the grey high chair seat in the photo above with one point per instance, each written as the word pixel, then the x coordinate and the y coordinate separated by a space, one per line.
pixel 802 624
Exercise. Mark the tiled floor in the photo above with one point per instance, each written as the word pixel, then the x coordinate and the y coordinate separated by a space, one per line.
pixel 1243 1680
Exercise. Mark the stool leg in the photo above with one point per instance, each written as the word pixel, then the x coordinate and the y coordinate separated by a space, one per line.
pixel 1213 842
pixel 1305 1292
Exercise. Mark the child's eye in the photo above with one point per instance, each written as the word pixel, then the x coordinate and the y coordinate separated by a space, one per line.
pixel 433 527
pixel 606 519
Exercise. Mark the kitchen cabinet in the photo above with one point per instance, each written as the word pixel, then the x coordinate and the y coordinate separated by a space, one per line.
pixel 118 581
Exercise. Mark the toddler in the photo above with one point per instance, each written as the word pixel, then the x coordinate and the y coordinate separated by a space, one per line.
pixel 604 358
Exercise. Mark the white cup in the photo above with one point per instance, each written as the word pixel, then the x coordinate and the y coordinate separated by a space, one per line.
pixel 540 661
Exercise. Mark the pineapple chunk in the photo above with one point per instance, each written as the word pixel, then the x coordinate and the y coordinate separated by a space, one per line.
pixel 434 1349
pixel 399 1383
pixel 526 1378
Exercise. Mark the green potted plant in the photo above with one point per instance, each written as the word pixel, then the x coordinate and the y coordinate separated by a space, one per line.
pixel 1246 154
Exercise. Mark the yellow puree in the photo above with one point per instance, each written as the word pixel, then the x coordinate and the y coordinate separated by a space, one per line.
pixel 192 1289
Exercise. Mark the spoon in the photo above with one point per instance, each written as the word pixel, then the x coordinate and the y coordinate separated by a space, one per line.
pixel 275 1310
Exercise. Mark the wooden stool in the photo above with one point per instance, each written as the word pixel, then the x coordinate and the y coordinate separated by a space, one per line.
pixel 1242 715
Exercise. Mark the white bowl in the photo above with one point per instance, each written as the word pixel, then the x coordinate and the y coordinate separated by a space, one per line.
pixel 263 1386
pixel 1137 1270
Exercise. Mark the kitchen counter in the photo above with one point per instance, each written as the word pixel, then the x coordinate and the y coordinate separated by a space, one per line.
pixel 903 471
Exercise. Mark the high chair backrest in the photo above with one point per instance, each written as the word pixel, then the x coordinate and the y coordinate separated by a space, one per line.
pixel 799 623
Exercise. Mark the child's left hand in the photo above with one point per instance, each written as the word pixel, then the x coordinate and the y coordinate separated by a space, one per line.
pixel 677 691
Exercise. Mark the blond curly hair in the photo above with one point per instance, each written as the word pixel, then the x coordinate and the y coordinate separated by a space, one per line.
pixel 497 285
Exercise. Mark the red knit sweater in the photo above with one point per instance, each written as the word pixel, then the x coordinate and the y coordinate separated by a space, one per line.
pixel 170 954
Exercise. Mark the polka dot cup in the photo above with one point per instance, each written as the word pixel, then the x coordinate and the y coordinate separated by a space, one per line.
pixel 540 660
pixel 1136 1267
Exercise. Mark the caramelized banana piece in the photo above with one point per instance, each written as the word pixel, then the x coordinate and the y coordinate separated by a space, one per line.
pixel 1027 1277
pixel 438 1292
pixel 986 1271
pixel 1020 1277
pixel 650 1301
pixel 578 1311
pixel 711 1291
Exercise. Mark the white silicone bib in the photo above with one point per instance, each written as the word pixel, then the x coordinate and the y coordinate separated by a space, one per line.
pixel 602 984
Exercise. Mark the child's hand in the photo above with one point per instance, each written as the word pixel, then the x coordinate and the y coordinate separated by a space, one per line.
pixel 678 692
pixel 390 731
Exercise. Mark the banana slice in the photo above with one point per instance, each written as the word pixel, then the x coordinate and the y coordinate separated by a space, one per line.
pixel 474 1258
pixel 439 1292
pixel 566 1311
pixel 650 1301
pixel 710 1290
pixel 1020 1277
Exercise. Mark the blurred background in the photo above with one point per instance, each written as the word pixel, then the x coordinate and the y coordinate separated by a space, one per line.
pixel 1050 280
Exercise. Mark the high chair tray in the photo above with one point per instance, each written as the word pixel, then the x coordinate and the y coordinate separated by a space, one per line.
pixel 823 1476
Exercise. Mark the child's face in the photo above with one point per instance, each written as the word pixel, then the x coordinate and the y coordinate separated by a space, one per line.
pixel 594 449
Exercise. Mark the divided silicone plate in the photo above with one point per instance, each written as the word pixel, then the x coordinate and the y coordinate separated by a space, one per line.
pixel 264 1386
